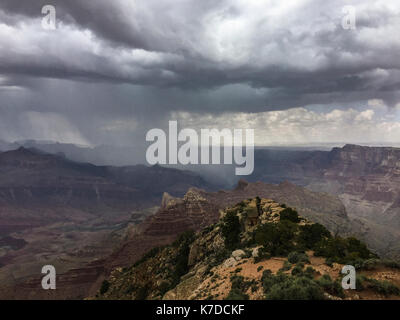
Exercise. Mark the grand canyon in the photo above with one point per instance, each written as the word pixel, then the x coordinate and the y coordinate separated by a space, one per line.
pixel 87 220
pixel 199 150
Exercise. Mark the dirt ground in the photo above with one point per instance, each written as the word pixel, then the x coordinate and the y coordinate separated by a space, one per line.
pixel 219 285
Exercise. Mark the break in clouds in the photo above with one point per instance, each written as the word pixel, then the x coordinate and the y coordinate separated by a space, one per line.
pixel 114 69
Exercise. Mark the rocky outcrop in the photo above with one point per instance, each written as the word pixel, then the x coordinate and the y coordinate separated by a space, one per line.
pixel 238 254
pixel 199 209
pixel 198 266
pixel 366 180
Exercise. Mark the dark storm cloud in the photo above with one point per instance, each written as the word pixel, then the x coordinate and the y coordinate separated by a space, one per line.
pixel 306 57
pixel 128 23
pixel 110 60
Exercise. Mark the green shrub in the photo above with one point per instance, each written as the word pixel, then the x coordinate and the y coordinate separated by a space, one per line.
pixel 238 288
pixel 231 230
pixel 360 282
pixel 295 257
pixel 184 238
pixel 310 235
pixel 329 262
pixel 286 266
pixel 285 287
pixel 297 270
pixel 289 214
pixel 391 264
pixel 248 253
pixel 258 204
pixel 130 289
pixel 236 295
pixel 373 263
pixel 181 260
pixel 241 205
pixel 268 279
pixel 277 238
pixel 220 256
pixel 344 251
pixel 330 286
pixel 334 248
pixel 295 288
pixel 263 254
pixel 383 287
pixel 164 287
pixel 355 246
pixel 148 255
pixel 105 285
pixel 142 292
pixel 309 272
pixel 207 229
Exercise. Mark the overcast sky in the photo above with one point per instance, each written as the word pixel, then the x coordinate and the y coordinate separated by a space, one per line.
pixel 114 69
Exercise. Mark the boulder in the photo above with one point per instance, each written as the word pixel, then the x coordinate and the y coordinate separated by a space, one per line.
pixel 238 254
pixel 255 252
pixel 230 262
